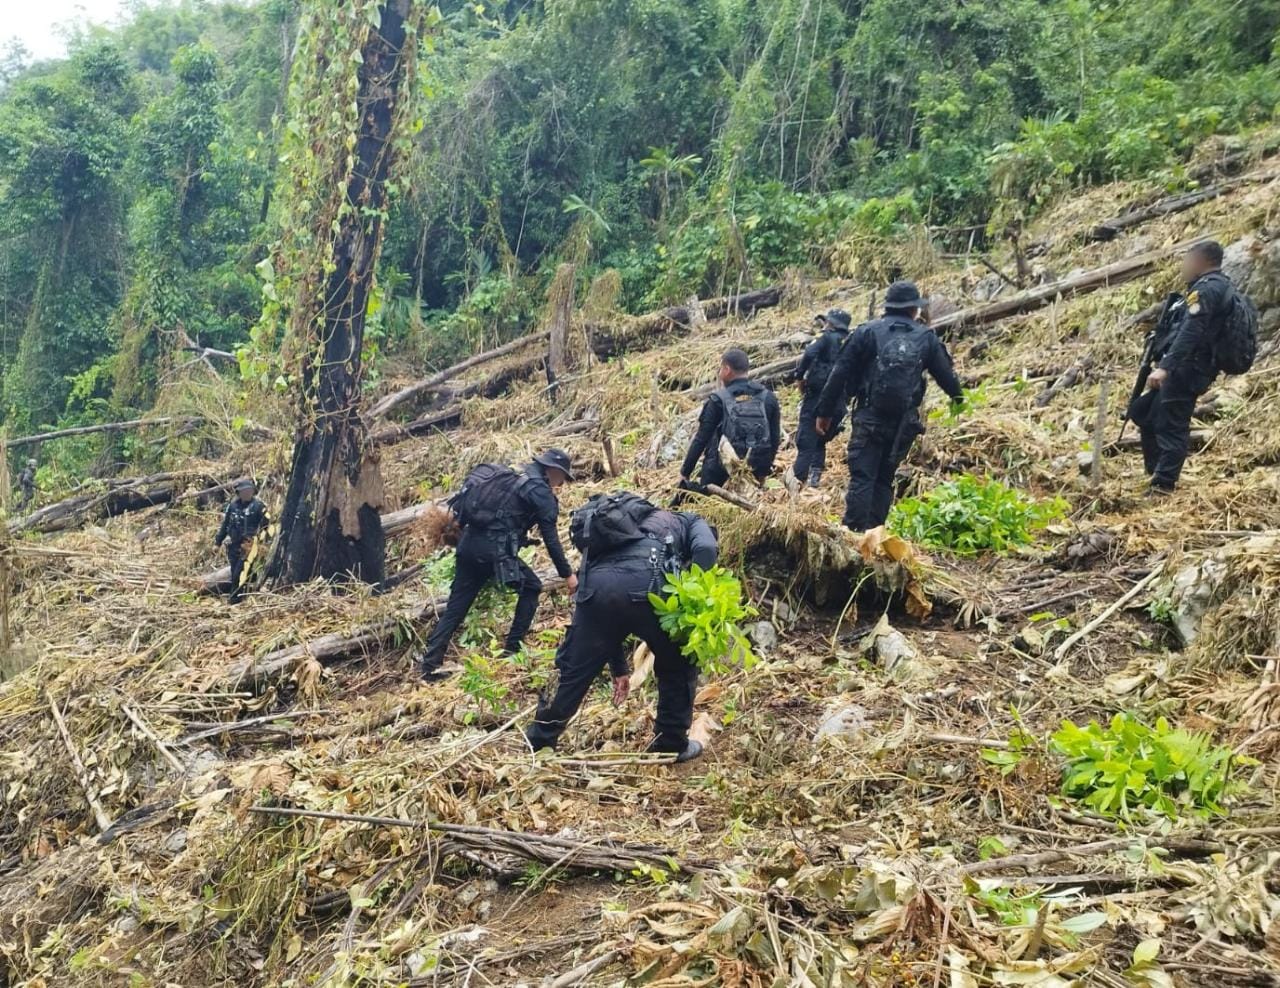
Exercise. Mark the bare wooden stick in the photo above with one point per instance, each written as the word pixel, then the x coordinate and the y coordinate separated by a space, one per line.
pixel 82 774
pixel 583 971
pixel 1105 616
pixel 239 725
pixel 1084 850
pixel 152 736
pixel 975 742
pixel 738 499
pixel 1099 434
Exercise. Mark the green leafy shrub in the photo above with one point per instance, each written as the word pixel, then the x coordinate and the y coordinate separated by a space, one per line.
pixel 968 515
pixel 701 610
pixel 1129 765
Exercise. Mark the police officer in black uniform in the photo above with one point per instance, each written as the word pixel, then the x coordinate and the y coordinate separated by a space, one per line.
pixel 611 604
pixel 490 553
pixel 755 410
pixel 1185 366
pixel 27 484
pixel 244 518
pixel 881 365
pixel 811 376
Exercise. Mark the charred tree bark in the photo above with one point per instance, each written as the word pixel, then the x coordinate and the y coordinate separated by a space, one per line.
pixel 330 525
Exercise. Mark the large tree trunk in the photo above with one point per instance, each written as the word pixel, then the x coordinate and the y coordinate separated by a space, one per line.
pixel 330 525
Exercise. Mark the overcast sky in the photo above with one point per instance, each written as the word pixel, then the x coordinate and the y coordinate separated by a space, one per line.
pixel 39 23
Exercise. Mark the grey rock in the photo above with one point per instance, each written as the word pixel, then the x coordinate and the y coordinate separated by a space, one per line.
pixel 850 720
pixel 764 636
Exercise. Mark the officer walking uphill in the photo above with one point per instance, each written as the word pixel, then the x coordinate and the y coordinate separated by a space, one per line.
pixel 495 509
pixel 27 484
pixel 741 411
pixel 244 518
pixel 881 365
pixel 811 375
pixel 629 547
pixel 1197 335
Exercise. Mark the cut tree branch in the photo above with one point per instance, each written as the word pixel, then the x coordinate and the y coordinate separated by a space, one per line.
pixel 85 430
pixel 1116 273
pixel 1112 228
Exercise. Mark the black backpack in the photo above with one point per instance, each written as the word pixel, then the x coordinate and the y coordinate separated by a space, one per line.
pixel 816 374
pixel 609 521
pixel 485 500
pixel 746 418
pixel 900 361
pixel 1236 345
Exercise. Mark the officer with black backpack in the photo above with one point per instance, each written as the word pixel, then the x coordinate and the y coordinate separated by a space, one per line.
pixel 881 365
pixel 1212 328
pixel 743 412
pixel 628 547
pixel 495 510
pixel 811 375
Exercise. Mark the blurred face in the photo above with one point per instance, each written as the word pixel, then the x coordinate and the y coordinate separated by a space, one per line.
pixel 555 477
pixel 726 374
pixel 246 495
pixel 1194 264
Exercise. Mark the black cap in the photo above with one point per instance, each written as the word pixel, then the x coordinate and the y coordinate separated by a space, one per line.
pixel 904 295
pixel 557 458
pixel 838 318
pixel 243 484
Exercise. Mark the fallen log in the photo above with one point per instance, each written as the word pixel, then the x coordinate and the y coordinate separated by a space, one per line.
pixel 1116 273
pixel 1112 228
pixel 443 419
pixel 85 430
pixel 256 674
pixel 419 388
pixel 393 523
pixel 119 497
pixel 1198 439
pixel 606 341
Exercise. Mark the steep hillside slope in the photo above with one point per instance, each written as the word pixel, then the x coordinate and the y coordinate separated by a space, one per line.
pixel 852 822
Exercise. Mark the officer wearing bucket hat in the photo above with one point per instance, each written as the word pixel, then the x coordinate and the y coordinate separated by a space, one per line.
pixel 811 376
pixel 496 508
pixel 244 518
pixel 881 365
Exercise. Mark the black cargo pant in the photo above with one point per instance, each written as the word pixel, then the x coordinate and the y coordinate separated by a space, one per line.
pixel 611 605
pixel 481 558
pixel 811 447
pixel 1166 431
pixel 236 556
pixel 876 449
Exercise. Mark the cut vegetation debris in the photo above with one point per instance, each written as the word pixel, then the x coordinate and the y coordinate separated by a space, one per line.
pixel 265 796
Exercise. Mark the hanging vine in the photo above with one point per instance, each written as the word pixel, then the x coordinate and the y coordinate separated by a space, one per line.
pixel 318 153
pixel 352 119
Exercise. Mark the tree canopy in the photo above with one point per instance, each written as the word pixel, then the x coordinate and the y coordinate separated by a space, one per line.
pixel 694 146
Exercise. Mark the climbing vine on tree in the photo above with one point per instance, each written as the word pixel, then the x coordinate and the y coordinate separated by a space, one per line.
pixel 351 117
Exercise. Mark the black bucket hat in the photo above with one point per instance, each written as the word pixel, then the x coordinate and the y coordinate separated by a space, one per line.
pixel 838 318
pixel 904 295
pixel 244 483
pixel 557 458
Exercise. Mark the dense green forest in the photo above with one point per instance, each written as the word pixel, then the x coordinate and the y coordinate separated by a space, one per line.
pixel 694 146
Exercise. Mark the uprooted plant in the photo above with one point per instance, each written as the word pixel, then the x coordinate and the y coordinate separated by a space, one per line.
pixel 968 515
pixel 1129 766
pixel 702 610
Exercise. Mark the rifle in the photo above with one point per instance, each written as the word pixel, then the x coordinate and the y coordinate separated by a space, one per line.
pixel 1140 385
